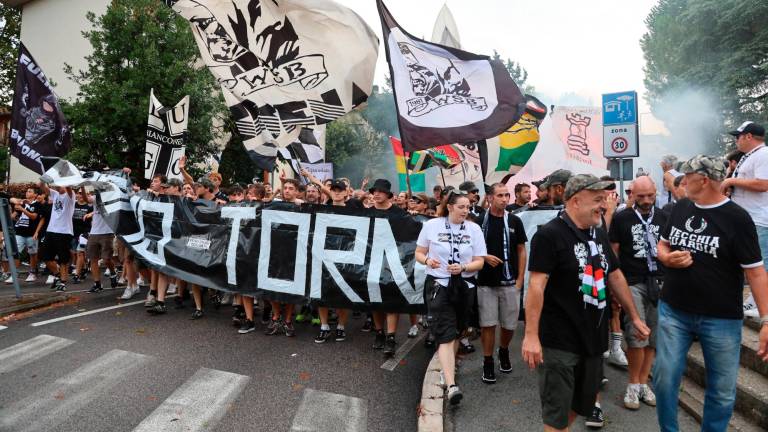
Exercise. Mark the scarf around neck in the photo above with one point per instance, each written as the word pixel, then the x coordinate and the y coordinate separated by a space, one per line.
pixel 593 282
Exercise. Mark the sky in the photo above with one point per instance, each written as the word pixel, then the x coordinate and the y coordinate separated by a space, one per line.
pixel 583 48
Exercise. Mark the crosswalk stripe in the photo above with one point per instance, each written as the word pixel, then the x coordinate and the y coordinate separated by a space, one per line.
pixel 198 404
pixel 26 352
pixel 323 411
pixel 55 403
pixel 400 354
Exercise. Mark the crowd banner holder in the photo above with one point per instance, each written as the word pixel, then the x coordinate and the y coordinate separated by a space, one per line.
pixel 10 243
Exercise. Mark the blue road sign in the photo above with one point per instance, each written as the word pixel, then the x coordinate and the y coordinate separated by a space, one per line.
pixel 619 108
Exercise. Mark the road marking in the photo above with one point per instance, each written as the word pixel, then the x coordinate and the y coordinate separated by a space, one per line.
pixel 3 327
pixel 26 352
pixel 198 404
pixel 323 411
pixel 56 402
pixel 95 311
pixel 400 354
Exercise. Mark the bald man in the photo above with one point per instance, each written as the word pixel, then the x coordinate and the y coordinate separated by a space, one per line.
pixel 634 235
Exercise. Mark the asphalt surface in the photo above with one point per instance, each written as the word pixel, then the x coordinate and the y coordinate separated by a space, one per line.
pixel 512 404
pixel 168 369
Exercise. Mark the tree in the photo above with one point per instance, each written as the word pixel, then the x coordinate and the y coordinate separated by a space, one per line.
pixel 236 166
pixel 718 46
pixel 139 45
pixel 518 73
pixel 10 27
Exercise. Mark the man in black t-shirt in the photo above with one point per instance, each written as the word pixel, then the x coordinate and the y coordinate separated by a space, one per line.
pixel 707 246
pixel 501 280
pixel 634 234
pixel 27 215
pixel 566 310
pixel 476 211
pixel 522 197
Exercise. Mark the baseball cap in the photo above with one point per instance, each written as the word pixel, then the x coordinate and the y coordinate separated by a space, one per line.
pixel 582 182
pixel 748 127
pixel 559 177
pixel 337 184
pixel 469 186
pixel 540 183
pixel 709 166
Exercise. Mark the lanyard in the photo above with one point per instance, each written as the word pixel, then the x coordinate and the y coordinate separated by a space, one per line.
pixel 744 159
pixel 506 270
pixel 649 239
pixel 455 241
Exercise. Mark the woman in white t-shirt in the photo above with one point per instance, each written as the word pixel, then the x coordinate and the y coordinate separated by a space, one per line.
pixel 453 249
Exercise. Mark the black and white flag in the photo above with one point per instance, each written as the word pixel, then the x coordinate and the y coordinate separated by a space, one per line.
pixel 166 134
pixel 445 95
pixel 306 149
pixel 283 64
pixel 38 127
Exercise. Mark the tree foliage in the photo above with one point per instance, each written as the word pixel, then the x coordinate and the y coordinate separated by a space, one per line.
pixel 10 27
pixel 236 166
pixel 518 73
pixel 719 46
pixel 139 45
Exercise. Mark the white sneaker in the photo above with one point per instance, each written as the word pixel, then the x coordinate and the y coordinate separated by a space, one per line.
pixel 128 293
pixel 631 397
pixel 618 358
pixel 121 280
pixel 606 354
pixel 140 281
pixel 50 279
pixel 647 396
pixel 30 278
pixel 107 273
pixel 9 280
pixel 413 331
pixel 171 289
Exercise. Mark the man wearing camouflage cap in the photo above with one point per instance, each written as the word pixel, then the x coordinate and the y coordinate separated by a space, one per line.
pixel 708 245
pixel 555 185
pixel 567 313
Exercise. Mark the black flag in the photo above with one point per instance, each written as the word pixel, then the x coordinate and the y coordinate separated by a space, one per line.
pixel 38 127
pixel 445 95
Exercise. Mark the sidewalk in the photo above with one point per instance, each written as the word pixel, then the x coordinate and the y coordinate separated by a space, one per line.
pixel 512 404
pixel 33 295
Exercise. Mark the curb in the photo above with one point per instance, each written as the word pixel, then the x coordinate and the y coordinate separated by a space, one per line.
pixel 431 405
pixel 33 305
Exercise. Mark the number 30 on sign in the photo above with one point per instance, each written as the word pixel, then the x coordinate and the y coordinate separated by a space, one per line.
pixel 620 141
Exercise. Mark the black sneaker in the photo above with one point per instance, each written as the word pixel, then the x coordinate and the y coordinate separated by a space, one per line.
pixel 323 336
pixel 368 326
pixel 489 372
pixel 113 281
pixel 158 309
pixel 595 420
pixel 61 287
pixel 95 289
pixel 289 330
pixel 505 365
pixel 56 281
pixel 390 346
pixel 272 328
pixel 247 327
pixel 341 335
pixel 76 280
pixel 467 348
pixel 197 314
pixel 454 395
pixel 378 343
pixel 238 317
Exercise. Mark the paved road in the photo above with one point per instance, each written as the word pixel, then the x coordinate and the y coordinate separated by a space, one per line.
pixel 123 370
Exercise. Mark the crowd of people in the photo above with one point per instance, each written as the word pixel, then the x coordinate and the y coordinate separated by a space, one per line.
pixel 604 274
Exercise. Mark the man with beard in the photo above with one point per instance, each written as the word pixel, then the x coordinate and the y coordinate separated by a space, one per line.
pixel 556 187
pixel 522 197
pixel 634 234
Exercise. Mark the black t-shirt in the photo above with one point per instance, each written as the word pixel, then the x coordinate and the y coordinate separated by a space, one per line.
pixel 476 214
pixel 567 322
pixel 24 226
pixel 494 242
pixel 514 206
pixel 79 226
pixel 44 212
pixel 629 232
pixel 723 241
pixel 221 196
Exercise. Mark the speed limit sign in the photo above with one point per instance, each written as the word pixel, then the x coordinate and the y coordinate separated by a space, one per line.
pixel 620 141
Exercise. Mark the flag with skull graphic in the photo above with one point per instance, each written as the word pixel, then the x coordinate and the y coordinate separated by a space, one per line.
pixel 283 65
pixel 166 132
pixel 446 95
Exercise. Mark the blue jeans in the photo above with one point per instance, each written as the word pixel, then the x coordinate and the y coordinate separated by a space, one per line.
pixel 720 342
pixel 762 238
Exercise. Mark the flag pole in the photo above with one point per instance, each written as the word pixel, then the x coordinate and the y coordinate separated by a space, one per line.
pixel 407 174
pixel 443 176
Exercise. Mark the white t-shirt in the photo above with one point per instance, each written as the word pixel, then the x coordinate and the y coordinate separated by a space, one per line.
pixel 99 225
pixel 755 203
pixel 436 237
pixel 61 213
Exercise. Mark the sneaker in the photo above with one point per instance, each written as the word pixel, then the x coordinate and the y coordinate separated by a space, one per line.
pixel 96 288
pixel 272 328
pixel 266 316
pixel 247 327
pixel 454 395
pixel 378 343
pixel 603 382
pixel 158 309
pixel 606 354
pixel 61 287
pixel 390 346
pixel 141 282
pixel 489 373
pixel 31 278
pixel 55 281
pixel 323 336
pixel 368 325
pixel 128 293
pixel 289 330
pixel 595 420
pixel 341 335
pixel 171 288
pixel 50 280
pixel 505 365
pixel 631 397
pixel 76 279
pixel 467 348
pixel 226 299
pixel 151 302
pixel 9 280
pixel 238 317
pixel 123 280
pixel 113 281
pixel 646 395
pixel 618 358
pixel 413 331
pixel 197 314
